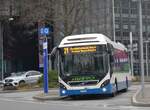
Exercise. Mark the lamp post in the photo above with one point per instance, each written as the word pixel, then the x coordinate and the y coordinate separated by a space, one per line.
pixel 113 18
pixel 141 46
pixel 2 54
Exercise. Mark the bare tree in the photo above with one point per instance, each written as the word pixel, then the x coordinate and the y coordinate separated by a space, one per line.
pixel 68 14
pixel 63 14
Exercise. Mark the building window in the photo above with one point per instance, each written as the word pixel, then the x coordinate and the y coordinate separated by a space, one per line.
pixel 117 20
pixel 133 28
pixel 133 11
pixel 125 21
pixel 125 11
pixel 117 26
pixel 125 27
pixel 125 3
pixel 148 27
pixel 133 4
pixel 144 28
pixel 117 3
pixel 117 10
pixel 118 33
pixel 125 33
pixel 133 21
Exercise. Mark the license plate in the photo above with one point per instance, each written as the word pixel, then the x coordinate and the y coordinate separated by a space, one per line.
pixel 7 84
pixel 83 90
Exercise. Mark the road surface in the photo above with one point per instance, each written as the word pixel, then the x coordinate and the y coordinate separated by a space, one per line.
pixel 24 101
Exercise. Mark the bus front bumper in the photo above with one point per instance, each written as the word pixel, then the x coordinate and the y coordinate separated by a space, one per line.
pixel 105 90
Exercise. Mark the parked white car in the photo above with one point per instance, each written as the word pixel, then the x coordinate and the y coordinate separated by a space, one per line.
pixel 20 78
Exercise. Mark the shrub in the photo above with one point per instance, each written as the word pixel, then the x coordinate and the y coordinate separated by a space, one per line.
pixel 52 79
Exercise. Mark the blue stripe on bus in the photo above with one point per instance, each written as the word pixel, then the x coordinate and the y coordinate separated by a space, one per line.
pixel 105 90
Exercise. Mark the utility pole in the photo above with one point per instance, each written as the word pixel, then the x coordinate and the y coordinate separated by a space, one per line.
pixel 141 46
pixel 113 18
pixel 2 54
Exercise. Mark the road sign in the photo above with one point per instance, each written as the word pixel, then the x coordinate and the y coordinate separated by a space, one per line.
pixel 44 31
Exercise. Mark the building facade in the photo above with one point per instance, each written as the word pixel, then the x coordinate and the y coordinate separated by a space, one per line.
pixel 96 17
pixel 4 12
pixel 99 19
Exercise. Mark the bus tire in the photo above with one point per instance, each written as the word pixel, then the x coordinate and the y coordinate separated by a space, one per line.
pixel 115 92
pixel 116 84
pixel 127 85
pixel 74 97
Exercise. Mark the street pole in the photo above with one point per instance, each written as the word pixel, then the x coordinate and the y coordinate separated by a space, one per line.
pixel 146 42
pixel 141 46
pixel 2 54
pixel 131 54
pixel 43 31
pixel 113 18
pixel 45 59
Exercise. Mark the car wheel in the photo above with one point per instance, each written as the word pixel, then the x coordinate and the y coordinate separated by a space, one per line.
pixel 21 83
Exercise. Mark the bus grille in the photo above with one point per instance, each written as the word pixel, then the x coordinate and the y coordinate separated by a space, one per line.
pixel 83 83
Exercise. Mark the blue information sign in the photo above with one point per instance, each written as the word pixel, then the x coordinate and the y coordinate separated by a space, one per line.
pixel 44 31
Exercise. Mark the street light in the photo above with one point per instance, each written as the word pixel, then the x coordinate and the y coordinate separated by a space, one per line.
pixel 113 18
pixel 141 46
pixel 2 56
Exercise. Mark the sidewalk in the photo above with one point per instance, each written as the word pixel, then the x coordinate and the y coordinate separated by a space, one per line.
pixel 51 95
pixel 139 99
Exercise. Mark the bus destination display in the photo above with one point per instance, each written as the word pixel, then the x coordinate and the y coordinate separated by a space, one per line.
pixel 79 49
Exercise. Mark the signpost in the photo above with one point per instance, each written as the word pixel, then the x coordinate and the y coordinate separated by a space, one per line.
pixel 45 31
pixel 131 54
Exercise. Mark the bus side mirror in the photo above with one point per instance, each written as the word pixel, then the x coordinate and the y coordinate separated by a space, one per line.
pixel 109 49
pixel 53 52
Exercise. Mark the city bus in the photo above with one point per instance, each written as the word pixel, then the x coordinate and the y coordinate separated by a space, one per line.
pixel 92 64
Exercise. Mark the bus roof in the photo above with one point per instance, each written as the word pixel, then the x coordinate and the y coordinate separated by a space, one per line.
pixel 89 39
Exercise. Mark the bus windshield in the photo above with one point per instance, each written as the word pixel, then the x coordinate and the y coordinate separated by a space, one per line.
pixel 84 60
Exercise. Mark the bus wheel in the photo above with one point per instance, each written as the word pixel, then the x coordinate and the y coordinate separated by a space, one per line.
pixel 113 94
pixel 74 97
pixel 127 85
pixel 116 85
pixel 116 90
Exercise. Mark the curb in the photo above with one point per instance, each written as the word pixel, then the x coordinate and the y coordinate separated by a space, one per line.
pixel 45 97
pixel 24 90
pixel 137 103
pixel 138 83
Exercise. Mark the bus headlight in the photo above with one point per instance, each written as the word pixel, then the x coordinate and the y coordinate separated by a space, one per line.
pixel 63 91
pixel 105 83
pixel 104 89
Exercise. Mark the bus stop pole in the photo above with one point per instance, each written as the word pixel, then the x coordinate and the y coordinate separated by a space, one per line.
pixel 45 59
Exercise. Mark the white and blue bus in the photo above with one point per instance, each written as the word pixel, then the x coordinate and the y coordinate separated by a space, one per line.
pixel 92 64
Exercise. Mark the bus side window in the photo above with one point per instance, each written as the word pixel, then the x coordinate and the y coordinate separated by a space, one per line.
pixel 111 58
pixel 110 51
